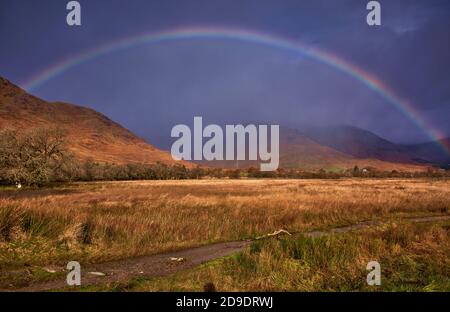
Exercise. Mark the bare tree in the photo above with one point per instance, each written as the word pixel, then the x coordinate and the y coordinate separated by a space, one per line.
pixel 35 157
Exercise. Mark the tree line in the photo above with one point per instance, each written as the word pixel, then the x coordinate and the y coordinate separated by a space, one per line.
pixel 41 156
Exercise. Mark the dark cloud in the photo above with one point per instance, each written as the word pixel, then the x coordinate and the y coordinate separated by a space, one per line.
pixel 150 88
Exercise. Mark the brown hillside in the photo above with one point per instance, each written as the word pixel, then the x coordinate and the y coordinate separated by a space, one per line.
pixel 91 134
pixel 299 151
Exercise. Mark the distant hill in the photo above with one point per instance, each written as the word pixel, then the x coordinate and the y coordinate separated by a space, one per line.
pixel 361 143
pixel 90 134
pixel 93 135
pixel 299 150
pixel 430 152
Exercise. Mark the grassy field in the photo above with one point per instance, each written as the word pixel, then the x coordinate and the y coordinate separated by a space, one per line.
pixel 412 258
pixel 96 222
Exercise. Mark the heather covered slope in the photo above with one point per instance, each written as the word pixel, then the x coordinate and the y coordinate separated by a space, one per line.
pixel 361 143
pixel 93 135
pixel 299 150
pixel 90 134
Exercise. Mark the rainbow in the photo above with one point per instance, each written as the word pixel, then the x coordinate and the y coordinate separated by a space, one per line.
pixel 343 66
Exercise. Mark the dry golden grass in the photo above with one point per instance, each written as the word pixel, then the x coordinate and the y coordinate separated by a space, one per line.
pixel 96 222
pixel 413 257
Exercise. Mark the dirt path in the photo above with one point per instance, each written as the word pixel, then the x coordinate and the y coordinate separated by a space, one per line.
pixel 163 265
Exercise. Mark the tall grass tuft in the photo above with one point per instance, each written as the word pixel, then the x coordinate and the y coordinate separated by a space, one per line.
pixel 86 232
pixel 41 224
pixel 9 217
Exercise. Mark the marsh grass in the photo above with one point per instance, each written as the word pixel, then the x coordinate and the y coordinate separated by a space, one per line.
pixel 96 222
pixel 8 218
pixel 331 263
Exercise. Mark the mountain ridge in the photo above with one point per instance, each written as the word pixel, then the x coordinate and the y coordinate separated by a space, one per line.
pixel 362 143
pixel 91 134
pixel 298 150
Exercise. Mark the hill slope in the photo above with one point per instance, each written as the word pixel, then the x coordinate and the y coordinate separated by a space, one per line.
pixel 93 135
pixel 430 152
pixel 90 134
pixel 361 143
pixel 299 150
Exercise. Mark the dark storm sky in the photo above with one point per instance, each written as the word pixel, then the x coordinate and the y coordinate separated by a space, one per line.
pixel 150 88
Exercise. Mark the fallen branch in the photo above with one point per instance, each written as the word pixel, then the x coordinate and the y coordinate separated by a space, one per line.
pixel 276 233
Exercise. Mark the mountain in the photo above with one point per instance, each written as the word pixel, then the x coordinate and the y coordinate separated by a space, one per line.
pixel 93 135
pixel 430 152
pixel 359 143
pixel 90 134
pixel 365 144
pixel 299 150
